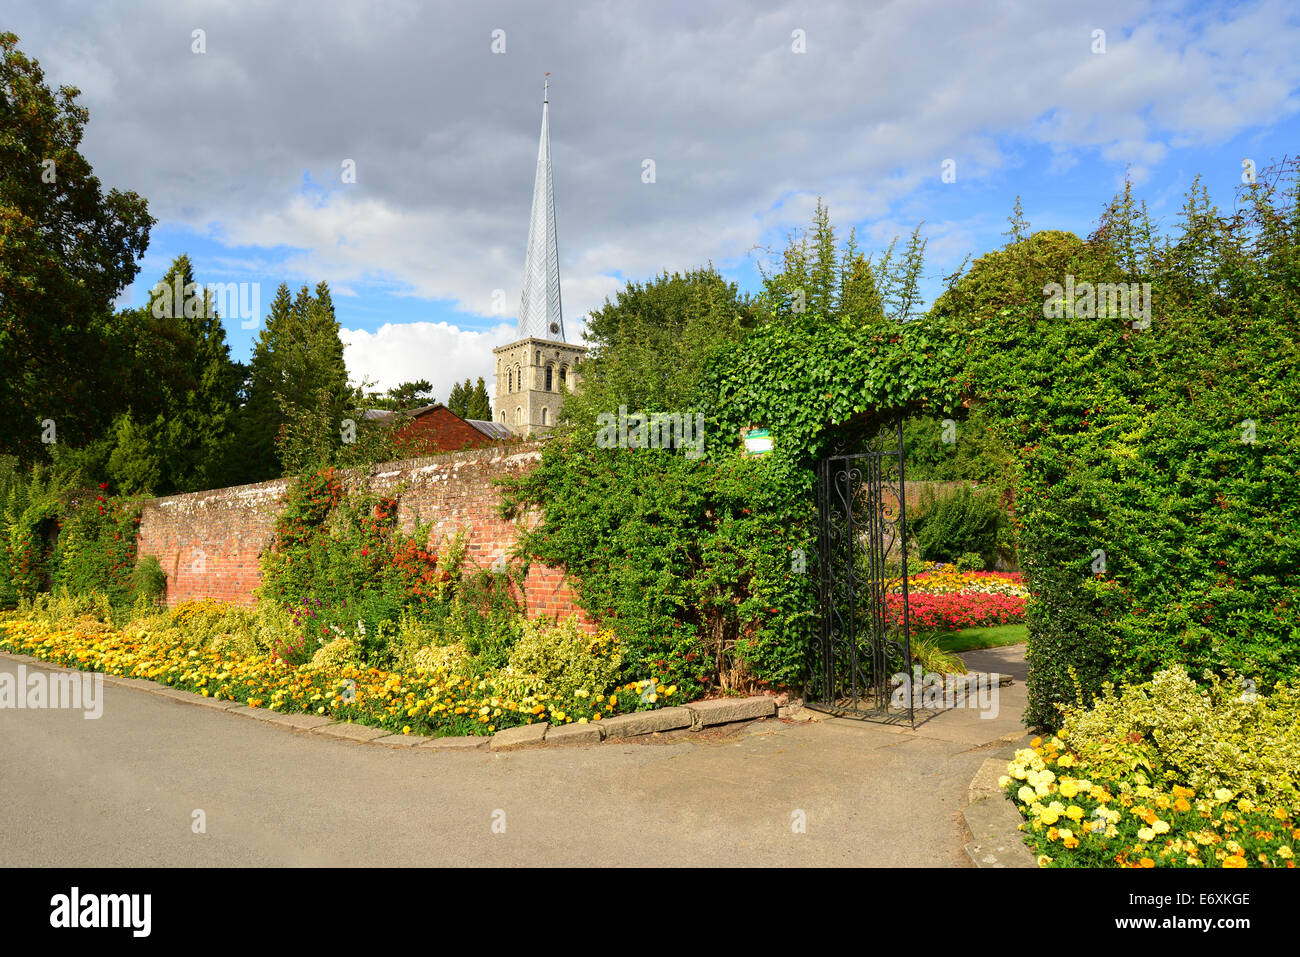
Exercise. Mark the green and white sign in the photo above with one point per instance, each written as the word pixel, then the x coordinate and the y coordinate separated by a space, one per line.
pixel 758 441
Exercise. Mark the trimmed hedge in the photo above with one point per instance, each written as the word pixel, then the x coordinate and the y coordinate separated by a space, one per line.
pixel 1157 501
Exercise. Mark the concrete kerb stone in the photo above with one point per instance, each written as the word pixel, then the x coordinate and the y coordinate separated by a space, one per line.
pixel 257 714
pixel 994 822
pixel 523 736
pixel 348 732
pixel 646 722
pixel 141 684
pixel 401 740
pixel 469 743
pixel 223 705
pixel 590 733
pixel 725 710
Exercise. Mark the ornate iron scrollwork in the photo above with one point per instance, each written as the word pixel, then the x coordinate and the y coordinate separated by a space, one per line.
pixel 863 638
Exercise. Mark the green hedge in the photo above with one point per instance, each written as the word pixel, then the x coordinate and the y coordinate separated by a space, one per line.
pixel 1149 532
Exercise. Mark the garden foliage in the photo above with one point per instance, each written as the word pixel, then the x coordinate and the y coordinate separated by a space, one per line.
pixel 56 535
pixel 1157 500
pixel 1166 773
pixel 960 525
pixel 704 568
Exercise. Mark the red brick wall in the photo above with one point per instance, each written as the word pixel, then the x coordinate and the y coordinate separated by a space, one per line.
pixel 440 430
pixel 209 542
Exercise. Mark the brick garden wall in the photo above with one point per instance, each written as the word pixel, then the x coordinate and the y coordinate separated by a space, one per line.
pixel 209 542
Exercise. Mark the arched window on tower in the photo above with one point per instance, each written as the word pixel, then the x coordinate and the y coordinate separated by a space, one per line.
pixel 519 379
pixel 564 378
pixel 543 415
pixel 519 415
pixel 510 381
pixel 550 376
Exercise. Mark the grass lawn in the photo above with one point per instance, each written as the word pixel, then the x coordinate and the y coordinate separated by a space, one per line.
pixel 969 639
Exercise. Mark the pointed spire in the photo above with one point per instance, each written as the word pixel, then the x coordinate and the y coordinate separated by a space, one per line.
pixel 539 306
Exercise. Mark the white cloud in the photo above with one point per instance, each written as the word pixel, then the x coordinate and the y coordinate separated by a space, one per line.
pixel 436 351
pixel 744 132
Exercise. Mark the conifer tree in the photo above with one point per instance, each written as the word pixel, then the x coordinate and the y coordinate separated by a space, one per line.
pixel 479 405
pixel 174 435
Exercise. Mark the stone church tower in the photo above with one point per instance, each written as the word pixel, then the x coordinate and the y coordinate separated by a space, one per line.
pixel 534 372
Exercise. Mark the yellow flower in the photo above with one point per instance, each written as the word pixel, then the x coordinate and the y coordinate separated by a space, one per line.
pixel 1074 813
pixel 1159 826
pixel 1026 794
pixel 406 730
pixel 1234 860
pixel 1285 853
pixel 1147 834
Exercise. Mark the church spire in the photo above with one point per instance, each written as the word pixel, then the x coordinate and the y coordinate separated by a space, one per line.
pixel 539 306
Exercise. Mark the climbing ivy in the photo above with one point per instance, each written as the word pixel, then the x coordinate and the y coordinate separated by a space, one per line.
pixel 704 567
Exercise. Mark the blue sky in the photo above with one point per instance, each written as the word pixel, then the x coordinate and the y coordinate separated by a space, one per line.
pixel 238 148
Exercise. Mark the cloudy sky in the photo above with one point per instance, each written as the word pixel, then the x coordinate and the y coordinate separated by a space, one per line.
pixel 748 110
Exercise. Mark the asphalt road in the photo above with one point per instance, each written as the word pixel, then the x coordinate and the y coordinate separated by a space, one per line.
pixel 124 789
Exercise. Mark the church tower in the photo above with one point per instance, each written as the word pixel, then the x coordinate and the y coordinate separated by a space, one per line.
pixel 534 372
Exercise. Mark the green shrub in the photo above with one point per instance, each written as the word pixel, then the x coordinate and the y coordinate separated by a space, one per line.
pixel 970 562
pixel 1223 735
pixel 148 580
pixel 957 524
pixel 447 659
pixel 927 653
pixel 336 654
pixel 559 660
pixel 1155 480
pixel 215 625
pixel 61 608
pixel 340 566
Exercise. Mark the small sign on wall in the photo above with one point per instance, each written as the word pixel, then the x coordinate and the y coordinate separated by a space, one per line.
pixel 758 441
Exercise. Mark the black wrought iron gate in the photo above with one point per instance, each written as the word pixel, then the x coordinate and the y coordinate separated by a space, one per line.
pixel 863 640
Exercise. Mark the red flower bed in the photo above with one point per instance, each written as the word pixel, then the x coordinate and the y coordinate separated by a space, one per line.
pixel 958 610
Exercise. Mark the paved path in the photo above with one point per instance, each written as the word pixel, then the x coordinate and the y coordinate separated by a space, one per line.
pixel 121 790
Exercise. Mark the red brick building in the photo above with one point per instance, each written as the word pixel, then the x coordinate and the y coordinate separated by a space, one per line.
pixel 435 428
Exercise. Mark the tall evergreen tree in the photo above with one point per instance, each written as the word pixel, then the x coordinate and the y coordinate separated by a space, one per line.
pixel 479 405
pixel 297 368
pixel 181 412
pixel 458 400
